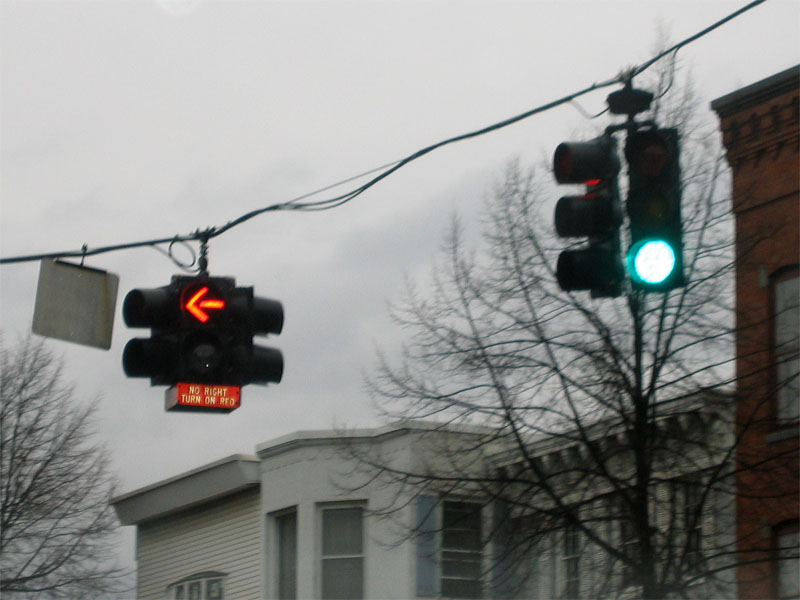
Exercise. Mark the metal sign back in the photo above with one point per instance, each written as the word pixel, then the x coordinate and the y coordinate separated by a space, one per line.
pixel 75 304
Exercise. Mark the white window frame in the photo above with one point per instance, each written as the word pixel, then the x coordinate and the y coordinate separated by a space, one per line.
pixel 469 555
pixel 572 561
pixel 181 589
pixel 322 557
pixel 276 519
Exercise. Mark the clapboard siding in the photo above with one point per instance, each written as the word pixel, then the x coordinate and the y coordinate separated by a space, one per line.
pixel 223 535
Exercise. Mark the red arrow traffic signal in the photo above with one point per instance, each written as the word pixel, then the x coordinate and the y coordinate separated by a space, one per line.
pixel 196 304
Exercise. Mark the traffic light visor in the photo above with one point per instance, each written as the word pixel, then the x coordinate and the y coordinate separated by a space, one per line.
pixel 587 215
pixel 582 162
pixel 562 163
pixel 267 316
pixel 592 268
pixel 266 366
pixel 149 308
pixel 148 358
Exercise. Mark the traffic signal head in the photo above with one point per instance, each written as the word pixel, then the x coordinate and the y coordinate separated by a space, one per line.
pixel 596 214
pixel 202 333
pixel 655 257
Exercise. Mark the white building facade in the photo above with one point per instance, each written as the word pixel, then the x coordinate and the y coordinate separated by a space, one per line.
pixel 309 517
pixel 302 520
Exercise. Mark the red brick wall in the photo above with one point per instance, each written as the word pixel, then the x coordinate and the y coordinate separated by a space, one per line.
pixel 760 132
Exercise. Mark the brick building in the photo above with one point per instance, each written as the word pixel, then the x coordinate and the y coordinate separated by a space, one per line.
pixel 760 132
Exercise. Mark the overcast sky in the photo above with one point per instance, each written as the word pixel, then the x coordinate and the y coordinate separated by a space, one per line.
pixel 128 121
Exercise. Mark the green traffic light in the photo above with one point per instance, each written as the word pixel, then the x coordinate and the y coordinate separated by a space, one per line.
pixel 651 262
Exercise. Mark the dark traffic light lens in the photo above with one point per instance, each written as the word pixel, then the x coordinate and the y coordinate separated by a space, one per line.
pixel 653 159
pixel 647 153
pixel 650 209
pixel 203 355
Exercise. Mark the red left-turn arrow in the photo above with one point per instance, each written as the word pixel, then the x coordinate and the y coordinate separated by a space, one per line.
pixel 198 304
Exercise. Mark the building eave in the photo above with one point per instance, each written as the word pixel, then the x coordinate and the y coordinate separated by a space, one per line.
pixel 348 436
pixel 758 92
pixel 204 484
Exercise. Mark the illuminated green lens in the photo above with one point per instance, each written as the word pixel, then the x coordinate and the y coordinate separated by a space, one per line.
pixel 652 261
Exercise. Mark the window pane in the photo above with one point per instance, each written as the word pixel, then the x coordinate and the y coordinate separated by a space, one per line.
pixel 787 347
pixel 461 564
pixel 789 565
pixel 461 515
pixel 342 578
pixel 461 524
pixel 461 539
pixel 572 561
pixel 461 588
pixel 287 556
pixel 214 589
pixel 194 590
pixel 342 531
pixel 180 592
pixel 461 550
pixel 570 541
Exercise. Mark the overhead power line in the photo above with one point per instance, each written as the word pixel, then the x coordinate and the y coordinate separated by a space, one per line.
pixel 300 203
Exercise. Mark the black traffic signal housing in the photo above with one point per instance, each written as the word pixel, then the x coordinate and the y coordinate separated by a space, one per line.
pixel 655 257
pixel 596 214
pixel 202 332
pixel 255 316
pixel 154 357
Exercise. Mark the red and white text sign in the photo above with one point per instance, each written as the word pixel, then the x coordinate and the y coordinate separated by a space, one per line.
pixel 199 396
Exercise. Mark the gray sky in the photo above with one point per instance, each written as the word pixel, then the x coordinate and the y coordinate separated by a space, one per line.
pixel 127 121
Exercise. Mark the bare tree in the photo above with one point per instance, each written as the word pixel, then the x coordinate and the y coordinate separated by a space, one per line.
pixel 613 432
pixel 56 524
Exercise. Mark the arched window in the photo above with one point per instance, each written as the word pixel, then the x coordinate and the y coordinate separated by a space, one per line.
pixel 206 585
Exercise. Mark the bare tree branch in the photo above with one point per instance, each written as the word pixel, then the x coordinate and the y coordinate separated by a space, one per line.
pixel 56 525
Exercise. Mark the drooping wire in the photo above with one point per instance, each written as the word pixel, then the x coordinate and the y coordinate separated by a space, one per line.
pixel 585 113
pixel 337 201
pixel 99 250
pixel 293 203
pixel 692 38
pixel 192 237
pixel 385 170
